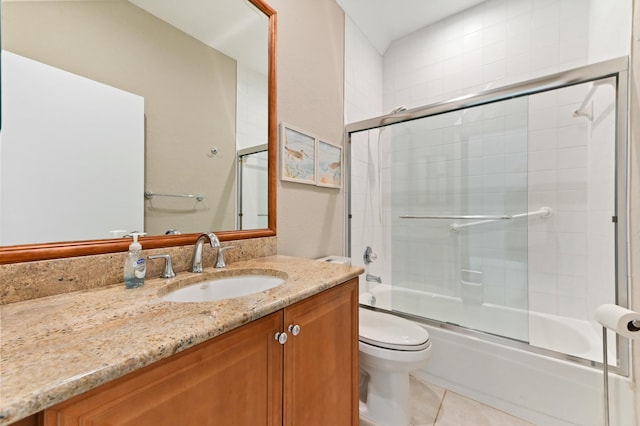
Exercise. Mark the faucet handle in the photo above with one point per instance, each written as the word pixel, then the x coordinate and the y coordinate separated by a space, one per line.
pixel 220 263
pixel 168 265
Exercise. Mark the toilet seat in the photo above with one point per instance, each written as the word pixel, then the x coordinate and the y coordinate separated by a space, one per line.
pixel 391 332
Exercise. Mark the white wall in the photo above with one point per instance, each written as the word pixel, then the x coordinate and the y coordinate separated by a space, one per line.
pixel 362 76
pixel 72 127
pixel 311 98
pixel 363 99
pixel 572 169
pixel 495 43
pixel 609 29
pixel 251 108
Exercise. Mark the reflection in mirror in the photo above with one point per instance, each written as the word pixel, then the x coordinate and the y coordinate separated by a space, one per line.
pixel 105 101
pixel 252 184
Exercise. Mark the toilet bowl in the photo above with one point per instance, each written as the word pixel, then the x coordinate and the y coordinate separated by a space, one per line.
pixel 390 348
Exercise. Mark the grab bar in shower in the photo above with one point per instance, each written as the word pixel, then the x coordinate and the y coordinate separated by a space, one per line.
pixel 471 217
pixel 543 211
pixel 149 195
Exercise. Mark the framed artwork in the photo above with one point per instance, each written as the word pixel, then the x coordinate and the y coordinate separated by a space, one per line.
pixel 298 155
pixel 329 165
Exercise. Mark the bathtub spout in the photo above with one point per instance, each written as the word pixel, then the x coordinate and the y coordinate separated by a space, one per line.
pixel 373 278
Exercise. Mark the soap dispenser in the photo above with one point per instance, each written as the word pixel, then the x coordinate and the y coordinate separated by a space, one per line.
pixel 134 266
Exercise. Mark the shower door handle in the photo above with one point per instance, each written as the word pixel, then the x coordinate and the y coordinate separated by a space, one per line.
pixel 470 217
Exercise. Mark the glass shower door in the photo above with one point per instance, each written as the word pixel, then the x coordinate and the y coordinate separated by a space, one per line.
pixel 458 217
pixel 508 217
pixel 252 190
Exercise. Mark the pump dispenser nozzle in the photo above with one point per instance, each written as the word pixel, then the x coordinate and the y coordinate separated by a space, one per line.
pixel 135 245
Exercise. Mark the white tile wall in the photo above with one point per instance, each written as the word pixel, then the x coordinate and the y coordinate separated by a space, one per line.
pixel 363 76
pixel 571 255
pixel 500 42
pixel 433 174
pixel 363 99
pixel 495 43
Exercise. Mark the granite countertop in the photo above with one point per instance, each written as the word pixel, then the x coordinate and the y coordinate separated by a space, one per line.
pixel 56 347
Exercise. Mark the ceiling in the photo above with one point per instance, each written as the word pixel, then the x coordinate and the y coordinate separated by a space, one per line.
pixel 383 21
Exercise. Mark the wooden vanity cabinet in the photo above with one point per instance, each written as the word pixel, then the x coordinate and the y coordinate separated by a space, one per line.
pixel 321 367
pixel 234 379
pixel 243 377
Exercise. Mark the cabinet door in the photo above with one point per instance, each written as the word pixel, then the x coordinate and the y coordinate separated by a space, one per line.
pixel 321 361
pixel 234 379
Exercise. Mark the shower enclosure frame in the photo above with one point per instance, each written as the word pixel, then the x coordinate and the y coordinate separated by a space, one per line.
pixel 617 68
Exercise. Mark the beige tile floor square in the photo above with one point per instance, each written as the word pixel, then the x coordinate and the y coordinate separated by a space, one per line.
pixel 434 406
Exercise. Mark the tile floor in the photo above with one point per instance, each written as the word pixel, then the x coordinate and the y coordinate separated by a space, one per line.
pixel 434 406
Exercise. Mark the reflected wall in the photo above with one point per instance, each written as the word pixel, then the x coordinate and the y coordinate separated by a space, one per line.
pixel 188 87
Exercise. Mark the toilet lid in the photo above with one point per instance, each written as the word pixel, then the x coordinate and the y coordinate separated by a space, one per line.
pixel 392 332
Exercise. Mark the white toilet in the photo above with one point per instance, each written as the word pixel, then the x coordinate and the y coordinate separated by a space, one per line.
pixel 390 348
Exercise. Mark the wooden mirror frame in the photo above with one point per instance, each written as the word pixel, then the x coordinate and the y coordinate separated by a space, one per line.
pixel 33 252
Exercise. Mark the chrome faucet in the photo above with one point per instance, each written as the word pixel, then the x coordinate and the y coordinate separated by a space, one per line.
pixel 373 278
pixel 197 251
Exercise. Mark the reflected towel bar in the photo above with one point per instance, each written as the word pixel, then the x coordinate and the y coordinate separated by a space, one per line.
pixel 149 195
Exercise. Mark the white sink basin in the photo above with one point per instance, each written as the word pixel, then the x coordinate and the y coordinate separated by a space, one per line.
pixel 223 288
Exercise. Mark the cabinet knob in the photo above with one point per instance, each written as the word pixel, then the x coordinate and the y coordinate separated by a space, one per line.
pixel 294 329
pixel 281 337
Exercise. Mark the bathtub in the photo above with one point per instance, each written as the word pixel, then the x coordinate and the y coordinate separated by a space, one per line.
pixel 570 336
pixel 535 387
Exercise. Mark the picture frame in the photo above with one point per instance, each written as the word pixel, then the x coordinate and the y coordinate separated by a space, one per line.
pixel 298 155
pixel 328 165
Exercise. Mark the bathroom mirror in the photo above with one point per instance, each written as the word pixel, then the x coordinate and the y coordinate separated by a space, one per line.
pixel 196 108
